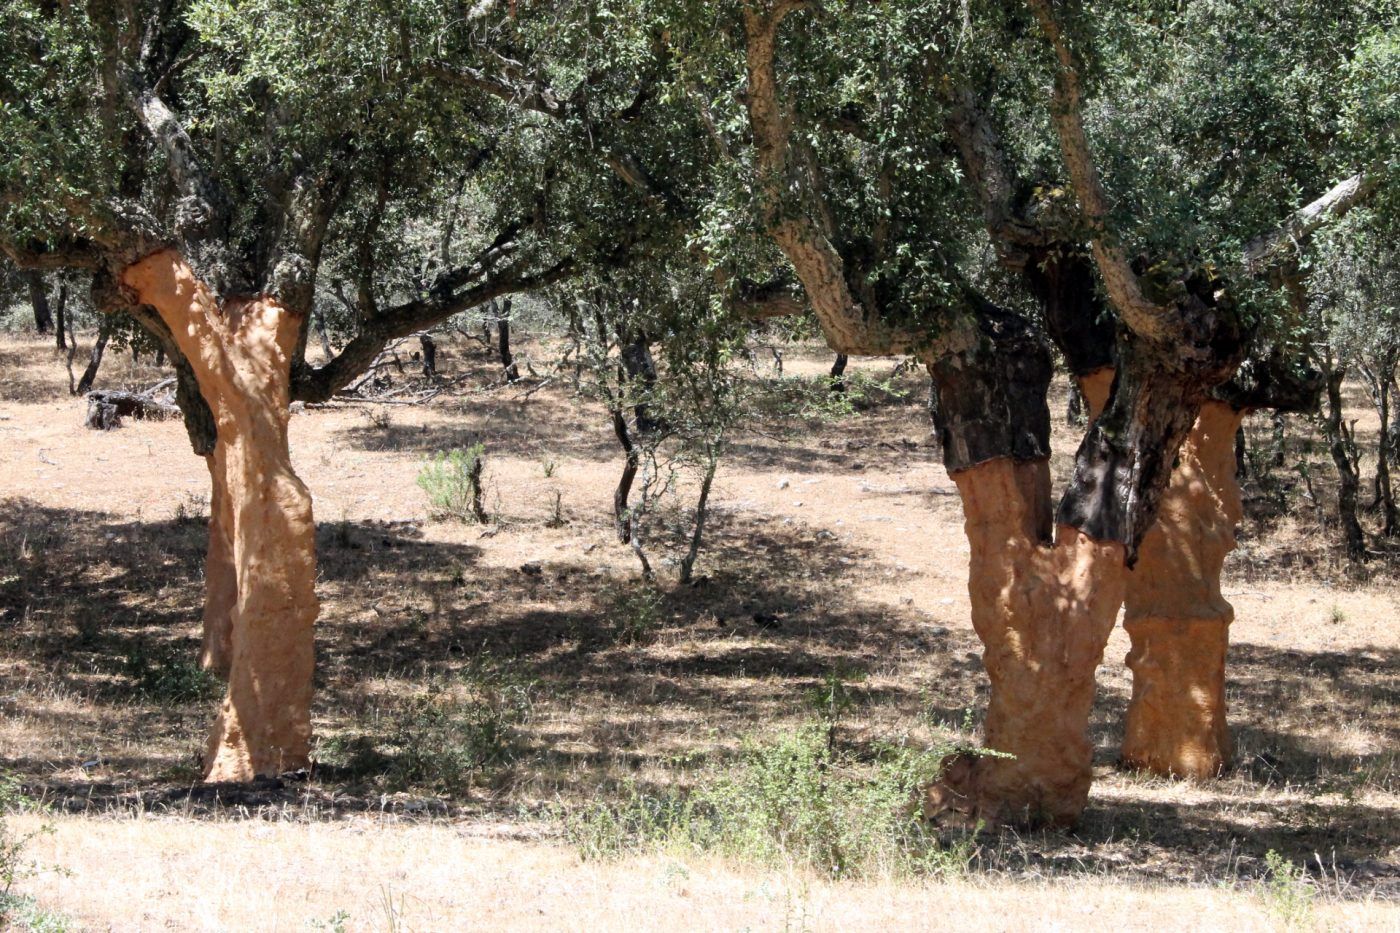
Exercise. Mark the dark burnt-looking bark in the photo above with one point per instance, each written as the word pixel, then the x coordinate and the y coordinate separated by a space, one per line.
pixel 1061 277
pixel 319 320
pixel 991 398
pixel 508 367
pixel 1385 491
pixel 838 372
pixel 1342 446
pixel 39 299
pixel 1273 379
pixel 199 419
pixel 428 348
pixel 1125 461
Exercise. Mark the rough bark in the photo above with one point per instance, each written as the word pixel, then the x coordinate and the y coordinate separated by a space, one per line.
pixel 1385 492
pixel 60 317
pixel 1342 447
pixel 106 409
pixel 220 575
pixel 1176 616
pixel 429 350
pixel 640 368
pixel 1174 613
pixel 622 518
pixel 241 351
pixel 1044 612
pixel 39 299
pixel 508 367
pixel 1044 600
pixel 104 333
pixel 838 374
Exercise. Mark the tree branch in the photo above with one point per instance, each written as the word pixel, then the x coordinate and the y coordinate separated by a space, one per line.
pixel 1269 248
pixel 1145 318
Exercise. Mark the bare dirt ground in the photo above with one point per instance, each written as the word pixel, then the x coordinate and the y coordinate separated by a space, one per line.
pixel 843 537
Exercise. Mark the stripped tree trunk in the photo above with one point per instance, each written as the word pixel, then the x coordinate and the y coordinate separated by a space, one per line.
pixel 240 352
pixel 1174 613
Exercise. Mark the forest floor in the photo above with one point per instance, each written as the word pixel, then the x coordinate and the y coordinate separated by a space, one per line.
pixel 835 557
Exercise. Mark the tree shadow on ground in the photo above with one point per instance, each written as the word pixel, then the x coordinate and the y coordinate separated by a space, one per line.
pixel 598 687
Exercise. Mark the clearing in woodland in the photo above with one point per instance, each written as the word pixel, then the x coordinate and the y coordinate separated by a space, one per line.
pixel 510 725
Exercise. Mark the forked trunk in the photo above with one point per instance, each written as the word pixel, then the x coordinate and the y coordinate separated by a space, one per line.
pixel 1042 606
pixel 240 351
pixel 1044 611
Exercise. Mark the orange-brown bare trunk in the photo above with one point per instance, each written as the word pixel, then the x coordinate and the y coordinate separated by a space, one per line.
pixel 241 354
pixel 1175 615
pixel 1043 611
pixel 220 577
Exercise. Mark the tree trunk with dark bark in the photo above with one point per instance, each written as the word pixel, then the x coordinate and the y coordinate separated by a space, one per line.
pixel 1385 491
pixel 429 350
pixel 1341 444
pixel 104 333
pixel 60 330
pixel 640 368
pixel 39 299
pixel 838 373
pixel 508 367
pixel 622 518
pixel 701 508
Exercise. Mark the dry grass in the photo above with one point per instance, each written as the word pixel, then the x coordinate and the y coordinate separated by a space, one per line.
pixel 169 873
pixel 849 532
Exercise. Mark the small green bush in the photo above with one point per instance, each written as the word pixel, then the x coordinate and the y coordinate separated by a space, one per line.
pixel 168 676
pixel 793 800
pixel 635 614
pixel 452 482
pixel 17 911
pixel 446 737
pixel 1288 892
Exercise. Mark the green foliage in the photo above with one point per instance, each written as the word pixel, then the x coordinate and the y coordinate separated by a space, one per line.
pixel 168 675
pixel 452 482
pixel 636 614
pixel 1287 890
pixel 454 732
pixel 18 911
pixel 790 801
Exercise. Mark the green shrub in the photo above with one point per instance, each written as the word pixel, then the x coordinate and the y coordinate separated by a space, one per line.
pixel 1288 892
pixel 793 800
pixel 17 911
pixel 452 482
pixel 447 736
pixel 635 614
pixel 166 675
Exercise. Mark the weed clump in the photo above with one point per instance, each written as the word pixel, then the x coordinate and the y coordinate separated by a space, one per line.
pixel 1287 891
pixel 793 800
pixel 166 676
pixel 454 733
pixel 452 482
